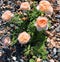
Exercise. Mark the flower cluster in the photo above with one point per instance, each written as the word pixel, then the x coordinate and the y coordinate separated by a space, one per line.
pixel 32 31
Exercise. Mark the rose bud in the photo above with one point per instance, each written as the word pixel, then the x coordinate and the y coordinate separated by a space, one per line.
pixel 6 41
pixel 7 15
pixel 24 38
pixel 41 23
pixel 25 6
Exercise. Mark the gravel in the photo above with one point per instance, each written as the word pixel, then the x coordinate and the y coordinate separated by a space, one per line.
pixel 7 53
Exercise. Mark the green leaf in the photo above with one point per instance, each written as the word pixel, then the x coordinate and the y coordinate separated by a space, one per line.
pixel 31 60
pixel 31 28
pixel 49 24
pixel 14 41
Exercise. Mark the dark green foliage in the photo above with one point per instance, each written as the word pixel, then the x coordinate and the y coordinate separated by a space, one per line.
pixel 33 14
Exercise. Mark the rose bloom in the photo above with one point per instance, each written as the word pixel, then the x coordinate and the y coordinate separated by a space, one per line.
pixel 25 6
pixel 7 15
pixel 41 23
pixel 23 37
pixel 45 6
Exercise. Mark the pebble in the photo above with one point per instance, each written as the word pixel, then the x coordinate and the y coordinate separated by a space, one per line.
pixel 59 54
pixel 54 51
pixel 0 22
pixel 57 16
pixel 49 33
pixel 14 58
pixel 11 25
pixel 52 27
pixel 21 60
pixel 58 39
pixel 57 36
pixel 58 50
pixel 45 61
pixel 8 59
pixel 48 39
pixel 58 29
pixel 9 2
pixel 1 2
pixel 55 57
pixel 0 53
pixel 55 25
pixel 16 61
pixel 58 1
pixel 2 31
pixel 58 20
pixel 59 58
pixel 51 60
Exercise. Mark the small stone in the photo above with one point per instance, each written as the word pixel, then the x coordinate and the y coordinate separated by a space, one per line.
pixel 57 16
pixel 18 2
pixel 16 61
pixel 55 25
pixel 11 25
pixel 14 58
pixel 59 59
pixel 51 60
pixel 49 33
pixel 58 54
pixel 52 27
pixel 57 36
pixel 44 61
pixel 58 20
pixel 55 57
pixel 0 54
pixel 58 50
pixel 8 59
pixel 1 2
pixel 21 60
pixel 58 29
pixel 58 1
pixel 0 22
pixel 9 2
pixel 58 39
pixel 48 39
pixel 53 43
pixel 54 51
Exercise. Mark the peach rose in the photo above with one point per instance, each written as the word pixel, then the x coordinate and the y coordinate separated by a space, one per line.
pixel 7 15
pixel 23 37
pixel 25 6
pixel 41 23
pixel 45 6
